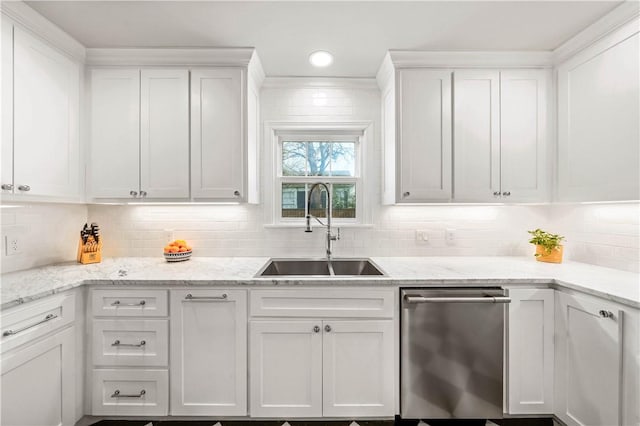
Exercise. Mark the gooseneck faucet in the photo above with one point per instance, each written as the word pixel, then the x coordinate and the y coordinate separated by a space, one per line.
pixel 330 236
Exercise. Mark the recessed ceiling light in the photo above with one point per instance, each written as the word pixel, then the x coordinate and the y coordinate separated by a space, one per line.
pixel 321 58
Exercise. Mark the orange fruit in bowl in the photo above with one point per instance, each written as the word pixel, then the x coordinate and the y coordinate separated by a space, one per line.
pixel 167 248
pixel 182 249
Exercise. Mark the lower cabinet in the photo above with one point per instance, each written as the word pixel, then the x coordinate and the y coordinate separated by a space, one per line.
pixel 530 351
pixel 37 383
pixel 208 335
pixel 314 368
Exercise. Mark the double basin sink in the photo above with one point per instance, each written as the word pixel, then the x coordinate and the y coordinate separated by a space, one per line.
pixel 319 267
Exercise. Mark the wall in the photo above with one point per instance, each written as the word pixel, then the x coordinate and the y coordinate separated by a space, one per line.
pixel 47 233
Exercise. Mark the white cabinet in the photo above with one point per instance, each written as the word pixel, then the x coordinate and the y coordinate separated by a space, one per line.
pixel 217 134
pixel 598 126
pixel 40 144
pixel 208 352
pixel 424 135
pixel 588 358
pixel 500 135
pixel 530 351
pixel 139 133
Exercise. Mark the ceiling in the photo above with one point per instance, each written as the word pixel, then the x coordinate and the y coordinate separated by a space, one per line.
pixel 357 33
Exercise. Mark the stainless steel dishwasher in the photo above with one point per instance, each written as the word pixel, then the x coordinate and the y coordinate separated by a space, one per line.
pixel 452 346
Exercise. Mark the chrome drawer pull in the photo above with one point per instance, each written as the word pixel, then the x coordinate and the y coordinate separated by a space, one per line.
pixel 117 394
pixel 20 330
pixel 489 299
pixel 606 314
pixel 191 297
pixel 118 303
pixel 129 345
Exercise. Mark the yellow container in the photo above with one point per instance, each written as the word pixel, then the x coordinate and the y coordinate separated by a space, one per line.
pixel 555 256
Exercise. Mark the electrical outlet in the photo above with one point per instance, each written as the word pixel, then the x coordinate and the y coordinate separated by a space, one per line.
pixel 422 235
pixel 169 235
pixel 450 235
pixel 12 245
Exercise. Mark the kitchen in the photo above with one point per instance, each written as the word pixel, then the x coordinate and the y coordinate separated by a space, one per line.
pixel 441 131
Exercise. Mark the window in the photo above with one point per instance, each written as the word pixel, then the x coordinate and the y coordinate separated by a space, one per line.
pixel 304 159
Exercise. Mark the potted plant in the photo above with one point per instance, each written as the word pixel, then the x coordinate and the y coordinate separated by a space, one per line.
pixel 548 246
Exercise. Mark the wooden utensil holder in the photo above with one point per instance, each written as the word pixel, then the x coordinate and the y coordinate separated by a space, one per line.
pixel 89 252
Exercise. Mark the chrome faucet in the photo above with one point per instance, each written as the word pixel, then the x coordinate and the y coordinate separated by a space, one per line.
pixel 330 236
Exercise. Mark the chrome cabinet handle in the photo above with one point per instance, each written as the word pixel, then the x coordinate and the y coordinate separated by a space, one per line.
pixel 20 330
pixel 406 194
pixel 489 299
pixel 24 188
pixel 129 345
pixel 236 193
pixel 327 328
pixel 191 297
pixel 118 303
pixel 507 193
pixel 496 194
pixel 316 329
pixel 7 186
pixel 143 193
pixel 133 193
pixel 117 394
pixel 605 314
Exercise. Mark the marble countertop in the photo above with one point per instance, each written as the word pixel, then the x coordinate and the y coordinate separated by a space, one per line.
pixel 612 284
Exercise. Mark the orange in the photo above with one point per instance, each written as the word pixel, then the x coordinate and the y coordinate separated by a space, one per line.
pixel 188 248
pixel 182 250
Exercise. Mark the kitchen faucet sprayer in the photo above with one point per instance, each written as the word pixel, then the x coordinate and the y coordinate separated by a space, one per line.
pixel 330 236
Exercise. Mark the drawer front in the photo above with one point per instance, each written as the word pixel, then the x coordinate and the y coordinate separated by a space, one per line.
pixel 129 303
pixel 319 303
pixel 130 342
pixel 25 323
pixel 130 393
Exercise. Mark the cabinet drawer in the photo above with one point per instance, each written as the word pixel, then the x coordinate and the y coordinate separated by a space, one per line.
pixel 319 303
pixel 129 303
pixel 25 323
pixel 130 392
pixel 130 342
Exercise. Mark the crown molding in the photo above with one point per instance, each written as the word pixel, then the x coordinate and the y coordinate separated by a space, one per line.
pixel 320 82
pixel 255 69
pixel 469 59
pixel 205 56
pixel 618 17
pixel 26 17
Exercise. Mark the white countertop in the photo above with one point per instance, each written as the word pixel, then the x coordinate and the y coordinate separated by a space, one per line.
pixel 613 284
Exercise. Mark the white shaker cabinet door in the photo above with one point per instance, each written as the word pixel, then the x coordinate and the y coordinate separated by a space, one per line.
pixel 208 352
pixel 217 137
pixel 164 133
pixel 6 71
pixel 588 361
pixel 358 369
pixel 286 368
pixel 115 133
pixel 531 349
pixel 476 145
pixel 524 167
pixel 46 150
pixel 424 136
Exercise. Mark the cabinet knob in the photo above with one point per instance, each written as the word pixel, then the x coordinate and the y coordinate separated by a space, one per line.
pixel 496 194
pixel 406 194
pixel 507 193
pixel 316 329
pixel 133 193
pixel 24 188
pixel 236 193
pixel 7 186
pixel 606 314
pixel 327 328
pixel 143 193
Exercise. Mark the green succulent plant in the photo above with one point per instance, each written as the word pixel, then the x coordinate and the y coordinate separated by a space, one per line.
pixel 545 239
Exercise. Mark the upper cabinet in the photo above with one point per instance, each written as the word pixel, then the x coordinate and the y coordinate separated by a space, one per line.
pixel 464 135
pixel 40 136
pixel 598 126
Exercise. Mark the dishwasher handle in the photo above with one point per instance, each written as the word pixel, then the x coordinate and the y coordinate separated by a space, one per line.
pixel 485 299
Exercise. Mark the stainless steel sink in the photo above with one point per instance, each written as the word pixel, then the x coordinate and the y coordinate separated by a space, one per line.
pixel 319 267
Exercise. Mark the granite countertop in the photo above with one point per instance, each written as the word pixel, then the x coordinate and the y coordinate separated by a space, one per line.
pixel 612 284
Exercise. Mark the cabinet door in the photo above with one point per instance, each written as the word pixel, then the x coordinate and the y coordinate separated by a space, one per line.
pixel 424 135
pixel 6 166
pixel 217 138
pixel 358 369
pixel 530 359
pixel 589 361
pixel 46 151
pixel 209 352
pixel 164 133
pixel 115 137
pixel 476 142
pixel 523 161
pixel 37 385
pixel 286 368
